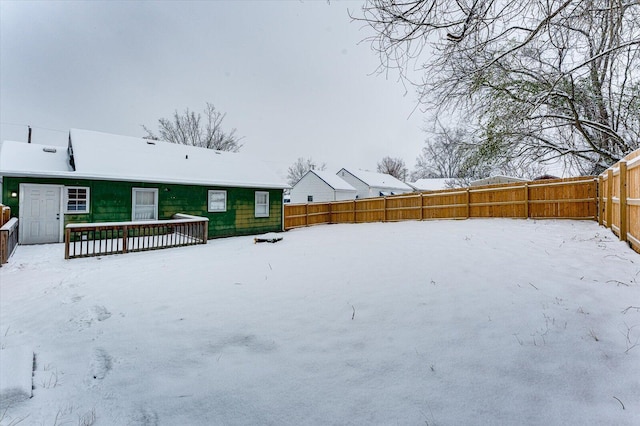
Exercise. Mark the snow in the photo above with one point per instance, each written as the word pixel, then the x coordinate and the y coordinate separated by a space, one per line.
pixel 333 180
pixel 34 158
pixel 100 155
pixel 16 367
pixel 469 322
pixel 430 184
pixel 497 179
pixel 379 180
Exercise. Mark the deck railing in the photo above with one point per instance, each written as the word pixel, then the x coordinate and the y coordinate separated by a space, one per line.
pixel 8 239
pixel 97 239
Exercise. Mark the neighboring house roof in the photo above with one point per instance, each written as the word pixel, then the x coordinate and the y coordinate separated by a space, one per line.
pixel 496 179
pixel 105 156
pixel 333 180
pixel 433 184
pixel 378 180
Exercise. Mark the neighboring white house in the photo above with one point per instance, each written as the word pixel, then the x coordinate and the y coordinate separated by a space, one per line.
pixel 433 184
pixel 321 186
pixel 371 184
pixel 493 180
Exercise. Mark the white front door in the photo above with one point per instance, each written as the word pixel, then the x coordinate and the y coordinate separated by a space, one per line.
pixel 40 214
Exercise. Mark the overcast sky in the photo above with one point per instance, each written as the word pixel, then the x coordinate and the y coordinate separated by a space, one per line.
pixel 293 76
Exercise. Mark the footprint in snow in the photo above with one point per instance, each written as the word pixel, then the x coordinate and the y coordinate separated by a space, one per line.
pixel 101 313
pixel 100 364
pixel 144 417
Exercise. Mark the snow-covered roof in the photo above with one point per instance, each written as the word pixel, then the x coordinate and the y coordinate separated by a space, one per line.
pixel 34 158
pixel 106 156
pixel 378 180
pixel 495 180
pixel 430 184
pixel 333 180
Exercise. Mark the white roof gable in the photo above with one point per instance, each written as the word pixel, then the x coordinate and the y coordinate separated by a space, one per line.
pixel 33 158
pixel 112 157
pixel 333 180
pixel 379 180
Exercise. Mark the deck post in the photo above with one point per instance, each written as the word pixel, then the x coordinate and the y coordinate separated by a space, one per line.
pixel 67 241
pixel 4 242
pixel 125 237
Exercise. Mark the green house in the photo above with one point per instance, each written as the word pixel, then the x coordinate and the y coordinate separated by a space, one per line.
pixel 101 177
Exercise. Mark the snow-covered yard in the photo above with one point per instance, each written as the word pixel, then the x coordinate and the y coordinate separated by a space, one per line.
pixel 439 323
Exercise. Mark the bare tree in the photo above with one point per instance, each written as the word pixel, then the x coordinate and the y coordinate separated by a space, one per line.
pixel 444 156
pixel 394 167
pixel 542 78
pixel 189 128
pixel 300 168
pixel 457 155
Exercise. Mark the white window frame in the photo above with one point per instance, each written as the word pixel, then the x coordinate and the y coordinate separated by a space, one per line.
pixel 216 191
pixel 259 206
pixel 134 191
pixel 67 199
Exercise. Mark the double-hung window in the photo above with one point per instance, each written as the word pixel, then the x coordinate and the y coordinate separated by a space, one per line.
pixel 262 204
pixel 76 199
pixel 144 205
pixel 217 201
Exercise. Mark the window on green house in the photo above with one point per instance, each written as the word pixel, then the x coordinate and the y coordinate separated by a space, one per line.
pixel 217 201
pixel 144 205
pixel 262 204
pixel 76 199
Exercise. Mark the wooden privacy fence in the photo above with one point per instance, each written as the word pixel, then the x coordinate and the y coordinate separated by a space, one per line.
pixel 573 198
pixel 96 239
pixel 8 239
pixel 619 199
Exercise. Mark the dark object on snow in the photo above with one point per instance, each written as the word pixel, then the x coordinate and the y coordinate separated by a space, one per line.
pixel 267 238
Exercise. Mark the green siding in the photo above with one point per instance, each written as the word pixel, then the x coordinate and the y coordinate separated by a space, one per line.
pixel 110 201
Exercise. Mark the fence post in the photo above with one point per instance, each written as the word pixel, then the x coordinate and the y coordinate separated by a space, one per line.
pixel 526 200
pixel 610 198
pixel 354 211
pixel 599 188
pixel 306 214
pixel 421 198
pixel 330 210
pixel 468 202
pixel 623 200
pixel 384 205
